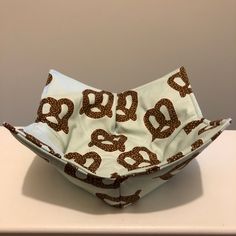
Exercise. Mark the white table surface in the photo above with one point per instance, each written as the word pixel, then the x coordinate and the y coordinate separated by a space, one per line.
pixel 36 198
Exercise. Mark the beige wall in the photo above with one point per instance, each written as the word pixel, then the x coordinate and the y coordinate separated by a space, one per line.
pixel 116 45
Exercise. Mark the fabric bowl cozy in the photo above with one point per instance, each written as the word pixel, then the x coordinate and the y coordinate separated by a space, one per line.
pixel 119 146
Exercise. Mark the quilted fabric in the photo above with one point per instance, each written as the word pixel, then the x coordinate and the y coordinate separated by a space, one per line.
pixel 119 146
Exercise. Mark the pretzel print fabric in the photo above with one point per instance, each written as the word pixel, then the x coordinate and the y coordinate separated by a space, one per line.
pixel 172 123
pixel 119 146
pixel 104 110
pixel 54 111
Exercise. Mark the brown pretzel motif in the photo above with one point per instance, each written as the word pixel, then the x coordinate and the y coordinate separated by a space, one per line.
pixel 11 128
pixel 172 124
pixel 192 125
pixel 55 110
pixel 121 200
pixel 138 159
pixel 212 125
pixel 117 142
pixel 183 90
pixel 175 157
pixel 198 143
pixel 104 110
pixel 81 159
pixel 49 79
pixel 128 113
